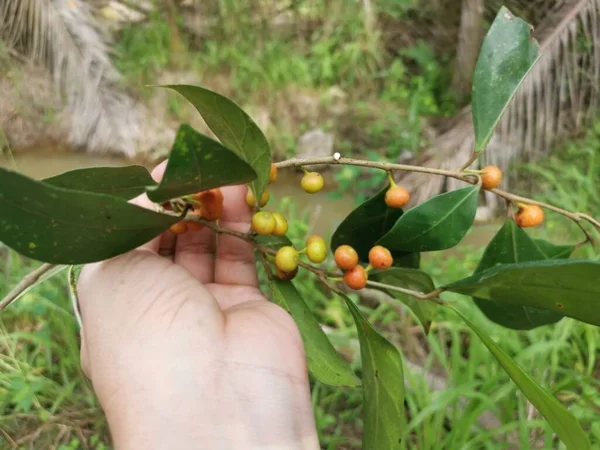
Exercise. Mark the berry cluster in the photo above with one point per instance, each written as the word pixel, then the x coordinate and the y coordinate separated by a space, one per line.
pixel 207 205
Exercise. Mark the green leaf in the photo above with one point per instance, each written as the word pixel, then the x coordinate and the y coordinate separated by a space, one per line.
pixel 273 242
pixel 198 163
pixel 383 386
pixel 61 226
pixel 324 362
pixel 234 128
pixel 552 251
pixel 417 280
pixel 364 226
pixel 46 276
pixel 507 55
pixel 122 182
pixel 562 421
pixel 565 286
pixel 513 245
pixel 437 224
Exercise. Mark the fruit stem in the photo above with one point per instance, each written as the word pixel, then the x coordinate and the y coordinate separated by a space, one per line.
pixel 368 268
pixel 391 178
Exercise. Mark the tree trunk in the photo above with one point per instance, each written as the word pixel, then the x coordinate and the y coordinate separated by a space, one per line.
pixel 469 41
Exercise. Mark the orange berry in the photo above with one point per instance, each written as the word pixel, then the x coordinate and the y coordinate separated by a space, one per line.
pixel 356 278
pixel 529 216
pixel 312 182
pixel 491 177
pixel 345 257
pixel 272 173
pixel 178 228
pixel 210 211
pixel 380 258
pixel 263 222
pixel 251 199
pixel 287 259
pixel 193 225
pixel 286 275
pixel 397 197
pixel 212 195
pixel 316 249
pixel 210 206
pixel 281 225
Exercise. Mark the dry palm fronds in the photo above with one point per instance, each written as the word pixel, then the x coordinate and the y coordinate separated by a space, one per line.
pixel 559 95
pixel 61 34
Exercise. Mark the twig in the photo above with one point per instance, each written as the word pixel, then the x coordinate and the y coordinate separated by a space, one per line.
pixel 469 162
pixel 459 175
pixel 433 295
pixel 27 281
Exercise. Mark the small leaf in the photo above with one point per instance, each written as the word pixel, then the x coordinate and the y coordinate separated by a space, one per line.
pixel 560 419
pixel 364 226
pixel 437 224
pixel 324 362
pixel 234 128
pixel 383 386
pixel 122 182
pixel 552 251
pixel 565 286
pixel 507 55
pixel 417 280
pixel 198 163
pixel 273 242
pixel 61 226
pixel 46 276
pixel 513 245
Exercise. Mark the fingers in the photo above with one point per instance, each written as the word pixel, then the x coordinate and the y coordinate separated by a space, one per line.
pixel 234 263
pixel 195 251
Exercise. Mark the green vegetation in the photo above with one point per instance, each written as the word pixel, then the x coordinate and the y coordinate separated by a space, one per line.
pixel 46 402
pixel 324 66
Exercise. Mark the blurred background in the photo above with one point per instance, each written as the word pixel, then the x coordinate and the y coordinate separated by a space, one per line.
pixel 379 79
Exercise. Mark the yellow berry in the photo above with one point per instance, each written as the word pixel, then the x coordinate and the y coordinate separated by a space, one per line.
pixel 251 199
pixel 312 182
pixel 316 249
pixel 287 259
pixel 263 222
pixel 281 225
pixel 272 173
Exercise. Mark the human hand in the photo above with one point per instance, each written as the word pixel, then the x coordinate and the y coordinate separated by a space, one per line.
pixel 184 351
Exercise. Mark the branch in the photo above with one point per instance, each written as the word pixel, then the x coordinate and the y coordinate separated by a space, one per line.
pixel 577 217
pixel 433 295
pixel 28 280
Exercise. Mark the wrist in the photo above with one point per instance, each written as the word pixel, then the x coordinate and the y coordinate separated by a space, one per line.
pixel 159 423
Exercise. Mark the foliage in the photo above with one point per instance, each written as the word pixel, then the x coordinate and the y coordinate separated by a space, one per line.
pixel 196 163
